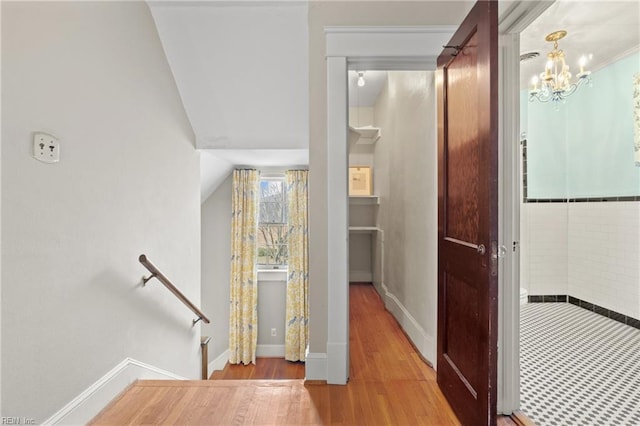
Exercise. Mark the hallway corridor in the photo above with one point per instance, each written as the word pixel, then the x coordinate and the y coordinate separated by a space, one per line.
pixel 389 385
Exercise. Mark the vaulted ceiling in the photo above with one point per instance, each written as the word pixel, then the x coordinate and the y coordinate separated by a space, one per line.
pixel 242 71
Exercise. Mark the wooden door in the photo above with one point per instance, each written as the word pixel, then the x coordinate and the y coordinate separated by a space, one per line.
pixel 467 84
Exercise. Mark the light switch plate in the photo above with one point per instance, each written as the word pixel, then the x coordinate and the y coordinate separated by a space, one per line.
pixel 46 148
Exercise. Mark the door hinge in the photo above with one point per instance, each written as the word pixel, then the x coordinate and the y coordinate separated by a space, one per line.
pixel 457 49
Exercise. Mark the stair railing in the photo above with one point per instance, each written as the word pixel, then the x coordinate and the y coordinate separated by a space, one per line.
pixel 155 273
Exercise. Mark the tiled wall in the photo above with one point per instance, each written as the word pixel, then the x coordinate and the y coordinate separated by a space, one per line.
pixel 545 263
pixel 604 255
pixel 588 250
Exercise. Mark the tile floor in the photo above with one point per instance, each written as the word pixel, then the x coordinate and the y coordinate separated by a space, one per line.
pixel 577 367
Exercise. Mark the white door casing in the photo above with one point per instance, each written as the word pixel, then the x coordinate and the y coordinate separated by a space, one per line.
pixel 386 48
pixel 417 48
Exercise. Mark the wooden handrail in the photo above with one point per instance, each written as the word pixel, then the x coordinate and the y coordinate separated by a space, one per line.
pixel 155 273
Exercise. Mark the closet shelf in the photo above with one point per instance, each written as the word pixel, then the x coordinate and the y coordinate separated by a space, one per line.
pixel 364 229
pixel 359 200
pixel 364 135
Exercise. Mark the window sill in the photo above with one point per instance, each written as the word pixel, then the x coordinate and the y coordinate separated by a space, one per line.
pixel 272 275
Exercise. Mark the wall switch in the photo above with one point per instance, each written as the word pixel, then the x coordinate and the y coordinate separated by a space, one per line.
pixel 46 148
pixel 273 332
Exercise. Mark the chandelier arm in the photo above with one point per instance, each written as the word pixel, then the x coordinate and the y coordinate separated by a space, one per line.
pixel 568 92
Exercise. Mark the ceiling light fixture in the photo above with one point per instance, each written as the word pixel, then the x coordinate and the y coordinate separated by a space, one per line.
pixel 555 81
pixel 361 81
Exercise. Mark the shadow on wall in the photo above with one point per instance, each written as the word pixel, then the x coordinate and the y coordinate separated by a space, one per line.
pixel 133 295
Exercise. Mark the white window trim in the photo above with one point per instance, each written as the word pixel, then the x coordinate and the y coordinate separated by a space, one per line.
pixel 275 176
pixel 272 275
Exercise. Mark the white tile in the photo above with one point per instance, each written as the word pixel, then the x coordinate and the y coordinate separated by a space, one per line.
pixel 564 364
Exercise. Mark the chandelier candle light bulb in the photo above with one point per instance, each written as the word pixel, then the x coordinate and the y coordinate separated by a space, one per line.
pixel 534 84
pixel 547 75
pixel 582 63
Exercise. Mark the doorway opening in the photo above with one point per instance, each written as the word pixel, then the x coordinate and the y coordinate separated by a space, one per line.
pixel 580 207
pixel 393 196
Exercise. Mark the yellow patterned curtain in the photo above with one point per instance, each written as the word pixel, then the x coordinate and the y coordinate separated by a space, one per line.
pixel 297 328
pixel 243 312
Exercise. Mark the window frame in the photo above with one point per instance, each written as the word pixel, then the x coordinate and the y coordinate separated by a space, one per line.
pixel 278 177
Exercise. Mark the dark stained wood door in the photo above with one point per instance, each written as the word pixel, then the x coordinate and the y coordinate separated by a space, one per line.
pixel 467 83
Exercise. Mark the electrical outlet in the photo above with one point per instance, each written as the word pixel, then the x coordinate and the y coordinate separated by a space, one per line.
pixel 46 148
pixel 273 332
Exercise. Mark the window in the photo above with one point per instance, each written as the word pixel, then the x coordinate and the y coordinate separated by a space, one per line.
pixel 272 224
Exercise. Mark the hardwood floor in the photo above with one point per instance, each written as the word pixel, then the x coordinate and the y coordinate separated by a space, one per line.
pixel 265 369
pixel 389 385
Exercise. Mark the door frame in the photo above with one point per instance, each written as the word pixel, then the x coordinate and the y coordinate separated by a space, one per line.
pixel 417 48
pixel 510 24
pixel 385 48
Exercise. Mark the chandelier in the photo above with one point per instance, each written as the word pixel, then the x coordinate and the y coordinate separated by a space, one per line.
pixel 555 81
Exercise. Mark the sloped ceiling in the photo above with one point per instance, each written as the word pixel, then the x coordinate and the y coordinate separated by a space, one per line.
pixel 242 72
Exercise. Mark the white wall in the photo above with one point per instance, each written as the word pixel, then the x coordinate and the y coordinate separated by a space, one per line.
pixel 361 155
pixel 272 298
pixel 241 70
pixel 405 175
pixel 216 266
pixel 361 116
pixel 94 75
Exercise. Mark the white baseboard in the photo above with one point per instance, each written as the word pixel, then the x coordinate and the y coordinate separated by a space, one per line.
pixel 337 363
pixel 360 276
pixel 90 402
pixel 425 343
pixel 380 288
pixel 219 363
pixel 261 350
pixel 270 350
pixel 315 367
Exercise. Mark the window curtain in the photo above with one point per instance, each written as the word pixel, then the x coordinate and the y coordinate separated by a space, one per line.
pixel 243 310
pixel 297 315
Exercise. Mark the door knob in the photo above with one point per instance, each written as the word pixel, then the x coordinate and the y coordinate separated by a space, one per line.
pixel 481 249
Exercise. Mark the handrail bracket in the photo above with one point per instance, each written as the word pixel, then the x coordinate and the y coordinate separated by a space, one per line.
pixel 146 279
